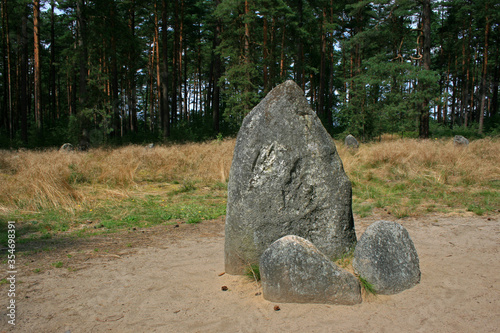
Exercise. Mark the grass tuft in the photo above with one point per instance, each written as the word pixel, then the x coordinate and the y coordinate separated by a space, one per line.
pixel 367 286
pixel 253 272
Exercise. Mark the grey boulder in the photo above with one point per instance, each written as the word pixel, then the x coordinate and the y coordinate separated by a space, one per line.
pixel 351 142
pixel 386 257
pixel 67 147
pixel 293 270
pixel 286 178
pixel 459 140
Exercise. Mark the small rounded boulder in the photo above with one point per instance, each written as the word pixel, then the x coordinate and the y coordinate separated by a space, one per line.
pixel 386 257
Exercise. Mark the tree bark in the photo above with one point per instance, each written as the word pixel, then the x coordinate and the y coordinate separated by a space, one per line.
pixel 265 55
pixel 52 74
pixel 23 80
pixel 132 98
pixel 485 68
pixel 216 76
pixel 82 44
pixel 322 69
pixel 164 106
pixel 37 65
pixel 114 75
pixel 5 18
pixel 426 55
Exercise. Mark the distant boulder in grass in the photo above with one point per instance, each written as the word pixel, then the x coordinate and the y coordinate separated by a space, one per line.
pixel 386 258
pixel 459 140
pixel 66 148
pixel 351 142
pixel 293 270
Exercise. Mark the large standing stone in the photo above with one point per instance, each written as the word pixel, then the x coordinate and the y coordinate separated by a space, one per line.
pixel 286 179
pixel 386 257
pixel 292 270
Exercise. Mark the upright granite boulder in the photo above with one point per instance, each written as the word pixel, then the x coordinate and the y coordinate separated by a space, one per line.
pixel 459 140
pixel 351 142
pixel 386 257
pixel 286 178
pixel 292 270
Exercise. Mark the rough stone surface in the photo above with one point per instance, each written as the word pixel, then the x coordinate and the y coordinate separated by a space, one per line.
pixel 459 140
pixel 292 270
pixel 67 147
pixel 386 257
pixel 351 142
pixel 286 178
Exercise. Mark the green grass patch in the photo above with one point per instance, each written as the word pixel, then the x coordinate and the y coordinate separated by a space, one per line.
pixel 367 286
pixel 58 264
pixel 187 203
pixel 253 272
pixel 420 195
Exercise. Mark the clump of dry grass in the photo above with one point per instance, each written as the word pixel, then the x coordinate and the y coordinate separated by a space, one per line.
pixel 437 161
pixel 51 179
pixel 33 180
pixel 408 177
pixel 206 162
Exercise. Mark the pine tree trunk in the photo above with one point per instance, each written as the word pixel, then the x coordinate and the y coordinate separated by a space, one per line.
pixel 300 49
pixel 52 73
pixel 265 55
pixel 37 65
pixel 485 68
pixel 282 56
pixel 216 76
pixel 10 120
pixel 246 58
pixel 164 106
pixel 114 78
pixel 322 69
pixel 82 44
pixel 23 97
pixel 132 98
pixel 426 55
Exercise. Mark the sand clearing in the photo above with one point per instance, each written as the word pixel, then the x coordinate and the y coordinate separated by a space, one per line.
pixel 168 279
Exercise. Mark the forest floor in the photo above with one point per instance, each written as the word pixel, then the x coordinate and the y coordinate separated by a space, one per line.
pixel 168 278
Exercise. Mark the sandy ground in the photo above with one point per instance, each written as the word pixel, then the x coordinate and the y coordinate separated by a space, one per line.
pixel 169 279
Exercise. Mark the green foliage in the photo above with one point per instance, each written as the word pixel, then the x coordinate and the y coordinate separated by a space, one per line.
pixel 253 272
pixel 58 264
pixel 367 286
pixel 359 63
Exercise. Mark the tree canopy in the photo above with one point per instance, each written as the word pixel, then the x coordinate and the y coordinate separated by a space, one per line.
pixel 153 70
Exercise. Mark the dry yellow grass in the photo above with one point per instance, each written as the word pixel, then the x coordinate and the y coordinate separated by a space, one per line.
pixel 32 180
pixel 438 161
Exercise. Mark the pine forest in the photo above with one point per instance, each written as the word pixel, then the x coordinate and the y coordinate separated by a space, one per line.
pixel 140 71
